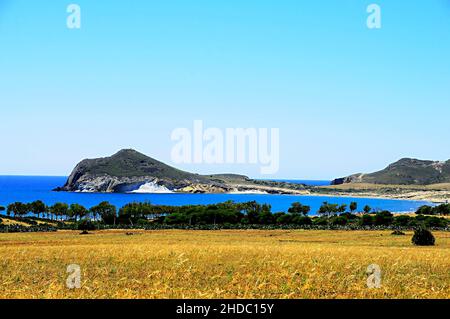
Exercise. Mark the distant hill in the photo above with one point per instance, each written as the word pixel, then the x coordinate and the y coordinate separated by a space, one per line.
pixel 130 163
pixel 129 170
pixel 125 171
pixel 406 171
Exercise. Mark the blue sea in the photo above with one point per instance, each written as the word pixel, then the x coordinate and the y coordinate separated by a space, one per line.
pixel 30 188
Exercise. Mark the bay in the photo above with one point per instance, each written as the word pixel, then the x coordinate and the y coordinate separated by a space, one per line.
pixel 30 188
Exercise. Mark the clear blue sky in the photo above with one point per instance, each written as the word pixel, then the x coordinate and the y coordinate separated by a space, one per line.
pixel 346 98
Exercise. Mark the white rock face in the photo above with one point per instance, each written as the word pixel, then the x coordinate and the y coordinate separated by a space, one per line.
pixel 108 184
pixel 151 188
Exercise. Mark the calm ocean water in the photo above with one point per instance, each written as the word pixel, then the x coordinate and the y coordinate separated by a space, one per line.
pixel 30 188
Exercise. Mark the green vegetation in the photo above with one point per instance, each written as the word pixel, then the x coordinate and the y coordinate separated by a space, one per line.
pixel 59 210
pixel 18 209
pixel 423 237
pixel 329 209
pixel 77 211
pixel 128 170
pixel 353 206
pixel 223 215
pixel 129 164
pixel 298 208
pixel 406 171
pixel 85 225
pixel 443 209
pixel 37 207
pixel 106 212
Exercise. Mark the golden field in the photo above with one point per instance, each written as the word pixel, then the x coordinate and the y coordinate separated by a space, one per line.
pixel 223 264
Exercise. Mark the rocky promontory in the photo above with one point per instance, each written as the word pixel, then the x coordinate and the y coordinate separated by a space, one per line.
pixel 130 171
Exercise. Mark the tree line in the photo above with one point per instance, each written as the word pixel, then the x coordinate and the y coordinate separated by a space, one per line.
pixel 227 213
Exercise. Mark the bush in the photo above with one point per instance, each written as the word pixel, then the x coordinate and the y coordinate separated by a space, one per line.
pixel 433 221
pixel 142 222
pixel 349 216
pixel 425 210
pixel 443 209
pixel 25 229
pixel 302 220
pixel 86 225
pixel 321 221
pixel 402 220
pixel 383 218
pixel 366 220
pixel 420 219
pixel 423 237
pixel 284 219
pixel 339 220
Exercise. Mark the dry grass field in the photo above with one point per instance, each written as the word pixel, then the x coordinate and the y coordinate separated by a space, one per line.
pixel 223 264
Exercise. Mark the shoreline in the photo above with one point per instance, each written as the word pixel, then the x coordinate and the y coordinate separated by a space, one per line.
pixel 287 192
pixel 315 194
pixel 376 196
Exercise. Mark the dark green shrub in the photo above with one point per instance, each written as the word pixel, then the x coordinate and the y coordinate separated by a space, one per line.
pixel 402 220
pixel 302 220
pixel 142 221
pixel 423 237
pixel 245 221
pixel 177 218
pixel 383 218
pixel 366 220
pixel 425 210
pixel 421 218
pixel 322 221
pixel 86 225
pixel 339 220
pixel 433 221
pixel 349 216
pixel 284 219
pixel 443 209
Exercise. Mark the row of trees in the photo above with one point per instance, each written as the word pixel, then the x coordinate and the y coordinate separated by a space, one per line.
pixel 62 211
pixel 328 209
pixel 443 209
pixel 297 215
pixel 223 213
